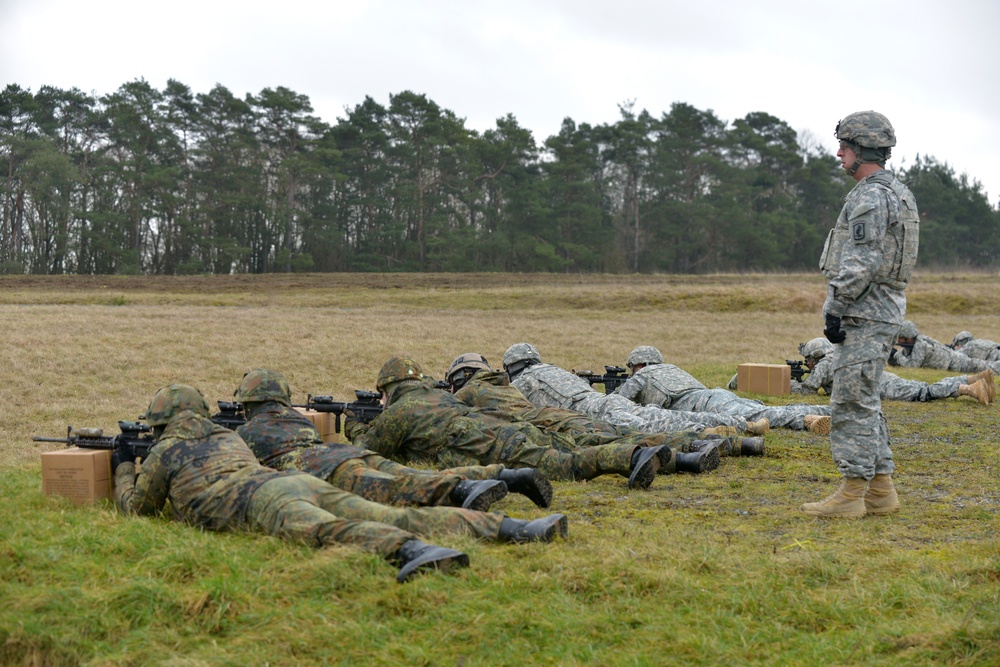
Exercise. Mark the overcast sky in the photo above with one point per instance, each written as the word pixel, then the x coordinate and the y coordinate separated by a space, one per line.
pixel 931 66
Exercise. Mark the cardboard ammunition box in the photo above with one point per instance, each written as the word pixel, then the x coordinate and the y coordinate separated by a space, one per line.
pixel 82 475
pixel 325 423
pixel 770 379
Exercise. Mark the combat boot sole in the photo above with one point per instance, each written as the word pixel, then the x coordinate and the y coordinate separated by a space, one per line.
pixel 481 502
pixel 645 468
pixel 818 424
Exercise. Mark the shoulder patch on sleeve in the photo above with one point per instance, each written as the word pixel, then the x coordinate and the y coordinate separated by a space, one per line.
pixel 859 231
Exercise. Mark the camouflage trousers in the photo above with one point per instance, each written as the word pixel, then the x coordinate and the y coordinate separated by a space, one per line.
pixel 380 480
pixel 307 509
pixel 621 411
pixel 565 462
pixel 899 389
pixel 587 432
pixel 963 364
pixel 859 433
pixel 726 402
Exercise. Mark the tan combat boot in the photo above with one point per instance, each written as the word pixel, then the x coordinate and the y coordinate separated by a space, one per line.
pixel 977 390
pixel 724 431
pixel 818 424
pixel 881 496
pixel 986 376
pixel 848 502
pixel 759 427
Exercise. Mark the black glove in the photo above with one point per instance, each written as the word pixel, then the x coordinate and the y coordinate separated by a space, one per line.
pixel 119 456
pixel 892 357
pixel 833 332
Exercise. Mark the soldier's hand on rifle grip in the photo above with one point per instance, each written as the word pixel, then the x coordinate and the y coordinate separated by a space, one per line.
pixel 833 332
pixel 351 422
pixel 119 456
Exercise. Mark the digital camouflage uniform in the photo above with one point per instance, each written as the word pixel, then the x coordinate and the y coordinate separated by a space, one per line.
pixel 423 423
pixel 871 245
pixel 673 388
pixel 214 480
pixel 284 439
pixel 929 353
pixel 976 348
pixel 891 386
pixel 491 391
pixel 548 385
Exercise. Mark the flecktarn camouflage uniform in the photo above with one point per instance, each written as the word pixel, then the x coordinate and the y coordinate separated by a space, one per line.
pixel 214 481
pixel 284 439
pixel 424 423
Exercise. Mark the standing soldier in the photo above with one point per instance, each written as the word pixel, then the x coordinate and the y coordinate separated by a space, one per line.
pixel 214 481
pixel 284 439
pixel 868 258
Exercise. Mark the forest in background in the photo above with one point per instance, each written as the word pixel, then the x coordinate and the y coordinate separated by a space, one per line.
pixel 172 182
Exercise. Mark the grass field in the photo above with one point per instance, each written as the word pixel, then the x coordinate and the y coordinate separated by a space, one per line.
pixel 715 569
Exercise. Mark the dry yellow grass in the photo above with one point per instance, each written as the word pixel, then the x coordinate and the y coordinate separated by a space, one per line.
pixel 75 357
pixel 699 570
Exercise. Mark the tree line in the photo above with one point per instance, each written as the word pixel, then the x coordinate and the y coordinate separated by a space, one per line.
pixel 175 182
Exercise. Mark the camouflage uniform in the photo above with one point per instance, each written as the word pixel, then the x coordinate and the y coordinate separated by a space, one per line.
pixel 673 388
pixel 213 480
pixel 861 259
pixel 976 348
pixel 548 385
pixel 491 391
pixel 929 353
pixel 284 439
pixel 424 423
pixel 891 386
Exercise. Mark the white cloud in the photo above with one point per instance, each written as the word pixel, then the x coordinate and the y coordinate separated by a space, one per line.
pixel 931 67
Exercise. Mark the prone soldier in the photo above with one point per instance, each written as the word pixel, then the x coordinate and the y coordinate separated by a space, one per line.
pixel 424 422
pixel 284 439
pixel 654 382
pixel 214 481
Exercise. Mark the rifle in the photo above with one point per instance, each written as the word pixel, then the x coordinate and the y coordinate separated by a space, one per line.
pixel 614 377
pixel 230 415
pixel 799 369
pixel 366 408
pixel 133 442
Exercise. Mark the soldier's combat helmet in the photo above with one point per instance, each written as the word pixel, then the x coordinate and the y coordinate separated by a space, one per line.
pixel 518 357
pixel 908 329
pixel 961 338
pixel 263 385
pixel 521 352
pixel 464 366
pixel 173 399
pixel 644 354
pixel 396 370
pixel 869 134
pixel 816 349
